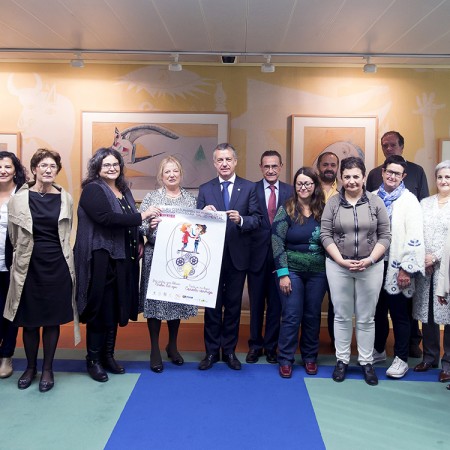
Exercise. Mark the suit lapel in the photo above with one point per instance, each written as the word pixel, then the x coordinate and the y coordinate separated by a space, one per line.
pixel 236 192
pixel 217 192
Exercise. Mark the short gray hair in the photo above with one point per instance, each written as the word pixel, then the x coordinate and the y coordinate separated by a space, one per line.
pixel 442 165
pixel 225 146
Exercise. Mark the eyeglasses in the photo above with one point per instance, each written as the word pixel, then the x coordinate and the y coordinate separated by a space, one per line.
pixel 44 166
pixel 306 185
pixel 108 166
pixel 391 173
pixel 274 167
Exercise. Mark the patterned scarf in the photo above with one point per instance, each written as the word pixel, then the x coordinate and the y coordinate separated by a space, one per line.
pixel 389 198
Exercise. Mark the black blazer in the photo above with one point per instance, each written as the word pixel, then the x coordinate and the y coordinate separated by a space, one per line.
pixel 243 199
pixel 261 247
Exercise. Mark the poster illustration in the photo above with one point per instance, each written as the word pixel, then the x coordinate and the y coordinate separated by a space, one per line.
pixel 188 256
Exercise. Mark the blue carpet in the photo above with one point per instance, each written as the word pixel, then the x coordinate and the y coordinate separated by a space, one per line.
pixel 217 409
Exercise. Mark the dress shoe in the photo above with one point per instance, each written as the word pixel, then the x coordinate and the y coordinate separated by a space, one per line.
pixel 232 361
pixel 96 371
pixel 175 357
pixel 46 384
pixel 110 364
pixel 444 376
pixel 271 356
pixel 311 368
pixel 424 366
pixel 253 355
pixel 6 367
pixel 285 371
pixel 415 351
pixel 156 364
pixel 26 378
pixel 339 371
pixel 370 377
pixel 208 361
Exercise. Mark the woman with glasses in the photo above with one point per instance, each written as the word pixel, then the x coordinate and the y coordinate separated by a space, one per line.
pixel 41 292
pixel 403 261
pixel 355 232
pixel 107 252
pixel 300 266
pixel 169 176
pixel 431 304
pixel 12 177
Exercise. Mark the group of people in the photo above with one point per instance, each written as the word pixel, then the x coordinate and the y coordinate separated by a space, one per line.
pixel 374 252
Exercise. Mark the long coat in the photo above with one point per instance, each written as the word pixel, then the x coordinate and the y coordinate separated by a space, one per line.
pixel 20 230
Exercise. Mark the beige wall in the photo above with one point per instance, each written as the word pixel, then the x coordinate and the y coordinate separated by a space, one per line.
pixel 44 102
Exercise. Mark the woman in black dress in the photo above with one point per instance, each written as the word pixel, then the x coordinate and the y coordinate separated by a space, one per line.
pixel 42 271
pixel 107 250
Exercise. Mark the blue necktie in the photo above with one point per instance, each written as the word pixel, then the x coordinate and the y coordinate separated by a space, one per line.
pixel 226 194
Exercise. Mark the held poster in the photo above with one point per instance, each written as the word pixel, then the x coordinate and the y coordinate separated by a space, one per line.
pixel 188 256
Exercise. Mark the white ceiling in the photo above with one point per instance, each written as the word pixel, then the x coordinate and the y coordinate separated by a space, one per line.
pixel 305 31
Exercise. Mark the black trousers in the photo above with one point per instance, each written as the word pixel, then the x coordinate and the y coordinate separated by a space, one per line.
pixel 221 328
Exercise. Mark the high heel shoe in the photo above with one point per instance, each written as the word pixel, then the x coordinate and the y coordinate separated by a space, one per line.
pixel 175 357
pixel 26 378
pixel 156 364
pixel 46 385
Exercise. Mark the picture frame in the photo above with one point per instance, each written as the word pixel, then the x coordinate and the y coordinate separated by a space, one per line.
pixel 10 142
pixel 145 138
pixel 444 149
pixel 344 136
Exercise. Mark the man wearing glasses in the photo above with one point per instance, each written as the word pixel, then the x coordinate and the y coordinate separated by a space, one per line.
pixel 392 143
pixel 270 193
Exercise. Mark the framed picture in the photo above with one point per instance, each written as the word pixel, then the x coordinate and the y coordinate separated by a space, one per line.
pixel 344 136
pixel 145 138
pixel 444 149
pixel 10 142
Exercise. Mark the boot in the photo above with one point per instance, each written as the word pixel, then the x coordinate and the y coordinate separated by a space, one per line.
pixel 94 343
pixel 108 361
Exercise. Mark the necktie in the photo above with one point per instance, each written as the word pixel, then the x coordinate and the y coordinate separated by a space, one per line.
pixel 226 194
pixel 272 204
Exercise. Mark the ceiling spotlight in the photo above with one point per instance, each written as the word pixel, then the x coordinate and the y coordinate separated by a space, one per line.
pixel 78 62
pixel 175 66
pixel 267 67
pixel 368 67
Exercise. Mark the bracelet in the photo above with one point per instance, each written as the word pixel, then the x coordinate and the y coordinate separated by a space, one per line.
pixel 371 260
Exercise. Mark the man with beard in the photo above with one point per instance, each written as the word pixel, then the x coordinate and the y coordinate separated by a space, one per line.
pixel 327 168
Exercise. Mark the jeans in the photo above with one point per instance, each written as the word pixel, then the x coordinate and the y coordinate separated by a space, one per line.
pixel 301 307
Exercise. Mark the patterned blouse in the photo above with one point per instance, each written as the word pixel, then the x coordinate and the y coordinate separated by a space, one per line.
pixel 296 247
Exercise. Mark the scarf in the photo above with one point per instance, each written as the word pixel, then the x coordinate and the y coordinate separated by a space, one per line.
pixel 389 198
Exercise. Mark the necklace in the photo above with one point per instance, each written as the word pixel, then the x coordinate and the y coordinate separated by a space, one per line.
pixel 42 194
pixel 442 201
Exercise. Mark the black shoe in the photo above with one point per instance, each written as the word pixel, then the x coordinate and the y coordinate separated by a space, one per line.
pixel 26 378
pixel 271 356
pixel 339 371
pixel 415 351
pixel 208 361
pixel 175 357
pixel 232 361
pixel 110 364
pixel 46 385
pixel 370 377
pixel 156 364
pixel 253 355
pixel 96 371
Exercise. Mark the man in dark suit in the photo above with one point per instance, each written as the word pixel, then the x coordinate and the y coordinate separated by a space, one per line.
pixel 237 197
pixel 271 193
pixel 392 143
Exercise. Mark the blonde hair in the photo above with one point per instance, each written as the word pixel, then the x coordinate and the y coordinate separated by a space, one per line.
pixel 163 163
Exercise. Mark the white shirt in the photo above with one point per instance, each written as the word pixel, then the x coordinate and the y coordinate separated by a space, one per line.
pixel 267 191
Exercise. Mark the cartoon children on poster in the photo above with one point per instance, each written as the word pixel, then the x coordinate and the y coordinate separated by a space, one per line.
pixel 191 232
